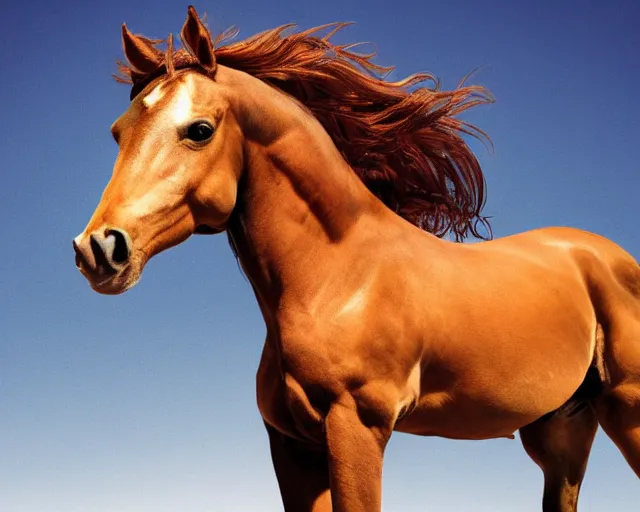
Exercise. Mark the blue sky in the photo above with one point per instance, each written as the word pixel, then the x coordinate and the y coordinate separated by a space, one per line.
pixel 146 401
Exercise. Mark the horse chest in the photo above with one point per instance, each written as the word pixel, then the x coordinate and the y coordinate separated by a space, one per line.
pixel 284 404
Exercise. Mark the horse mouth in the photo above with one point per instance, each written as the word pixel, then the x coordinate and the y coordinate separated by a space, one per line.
pixel 203 229
pixel 114 284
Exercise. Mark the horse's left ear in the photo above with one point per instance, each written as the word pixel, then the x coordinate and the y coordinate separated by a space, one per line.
pixel 198 40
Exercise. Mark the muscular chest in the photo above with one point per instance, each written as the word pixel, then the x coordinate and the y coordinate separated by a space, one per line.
pixel 295 400
pixel 285 404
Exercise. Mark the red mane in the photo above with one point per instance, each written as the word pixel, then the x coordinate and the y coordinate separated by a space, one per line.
pixel 403 139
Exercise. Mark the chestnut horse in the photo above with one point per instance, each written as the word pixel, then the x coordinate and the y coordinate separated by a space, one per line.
pixel 336 187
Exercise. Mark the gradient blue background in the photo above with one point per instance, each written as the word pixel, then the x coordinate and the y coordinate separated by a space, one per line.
pixel 145 402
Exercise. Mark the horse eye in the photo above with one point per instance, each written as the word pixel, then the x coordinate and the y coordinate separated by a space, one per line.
pixel 200 131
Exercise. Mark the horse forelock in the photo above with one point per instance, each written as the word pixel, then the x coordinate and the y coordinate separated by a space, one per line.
pixel 403 139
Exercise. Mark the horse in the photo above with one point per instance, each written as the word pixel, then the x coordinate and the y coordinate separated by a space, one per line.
pixel 344 196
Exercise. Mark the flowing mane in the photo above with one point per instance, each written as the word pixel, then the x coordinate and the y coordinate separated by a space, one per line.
pixel 402 138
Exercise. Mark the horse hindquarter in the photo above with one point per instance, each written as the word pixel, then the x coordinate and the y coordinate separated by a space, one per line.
pixel 616 294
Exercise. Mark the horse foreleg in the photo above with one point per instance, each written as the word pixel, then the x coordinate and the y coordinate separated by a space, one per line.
pixel 302 473
pixel 356 441
pixel 560 445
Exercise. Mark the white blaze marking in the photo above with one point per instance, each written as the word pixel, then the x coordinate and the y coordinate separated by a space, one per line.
pixel 181 106
pixel 154 96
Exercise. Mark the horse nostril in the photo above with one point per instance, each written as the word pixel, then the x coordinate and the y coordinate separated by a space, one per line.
pixel 102 262
pixel 121 247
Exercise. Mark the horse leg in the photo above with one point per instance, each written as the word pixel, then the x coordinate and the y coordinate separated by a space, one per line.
pixel 618 405
pixel 302 473
pixel 356 440
pixel 560 444
pixel 618 412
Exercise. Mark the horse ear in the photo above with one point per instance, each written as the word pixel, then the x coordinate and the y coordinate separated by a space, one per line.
pixel 196 37
pixel 140 52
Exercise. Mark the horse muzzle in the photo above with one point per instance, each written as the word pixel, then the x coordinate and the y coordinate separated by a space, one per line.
pixel 103 257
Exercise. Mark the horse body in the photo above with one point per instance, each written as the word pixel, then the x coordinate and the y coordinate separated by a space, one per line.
pixel 501 332
pixel 373 325
pixel 485 338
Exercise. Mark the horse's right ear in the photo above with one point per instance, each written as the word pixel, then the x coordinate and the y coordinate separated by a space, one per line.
pixel 197 39
pixel 140 52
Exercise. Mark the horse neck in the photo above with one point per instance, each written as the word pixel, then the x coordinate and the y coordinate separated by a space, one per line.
pixel 299 202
